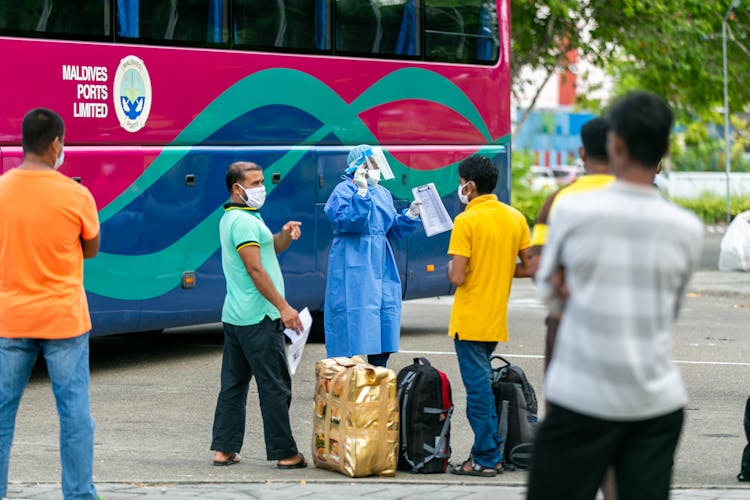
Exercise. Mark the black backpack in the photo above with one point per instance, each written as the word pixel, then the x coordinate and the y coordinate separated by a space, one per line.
pixel 516 405
pixel 744 474
pixel 426 405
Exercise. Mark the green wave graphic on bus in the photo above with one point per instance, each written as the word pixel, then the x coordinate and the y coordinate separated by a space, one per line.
pixel 150 275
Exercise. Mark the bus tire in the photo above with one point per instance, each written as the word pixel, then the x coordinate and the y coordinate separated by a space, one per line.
pixel 317 331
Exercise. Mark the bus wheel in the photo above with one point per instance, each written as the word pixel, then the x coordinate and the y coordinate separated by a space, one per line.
pixel 317 332
pixel 148 333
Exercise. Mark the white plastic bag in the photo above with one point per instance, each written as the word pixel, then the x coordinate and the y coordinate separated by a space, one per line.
pixel 735 245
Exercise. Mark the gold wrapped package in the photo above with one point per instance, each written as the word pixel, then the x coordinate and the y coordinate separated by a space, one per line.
pixel 355 418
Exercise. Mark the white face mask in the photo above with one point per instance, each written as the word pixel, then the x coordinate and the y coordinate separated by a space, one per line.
pixel 255 197
pixel 463 197
pixel 373 176
pixel 59 161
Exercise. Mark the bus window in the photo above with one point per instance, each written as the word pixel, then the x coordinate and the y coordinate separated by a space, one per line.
pixel 197 22
pixel 387 27
pixel 88 19
pixel 463 33
pixel 286 24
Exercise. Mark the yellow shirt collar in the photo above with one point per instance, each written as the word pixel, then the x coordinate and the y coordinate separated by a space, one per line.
pixel 480 199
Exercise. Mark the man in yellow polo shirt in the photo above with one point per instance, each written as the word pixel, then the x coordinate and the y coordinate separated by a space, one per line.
pixel 593 153
pixel 487 240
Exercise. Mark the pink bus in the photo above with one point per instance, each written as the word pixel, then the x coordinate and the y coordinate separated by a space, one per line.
pixel 159 97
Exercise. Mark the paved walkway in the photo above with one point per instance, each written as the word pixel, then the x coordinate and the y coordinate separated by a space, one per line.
pixel 376 489
pixel 704 282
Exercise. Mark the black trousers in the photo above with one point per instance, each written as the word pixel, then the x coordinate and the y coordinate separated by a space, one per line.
pixel 254 350
pixel 573 451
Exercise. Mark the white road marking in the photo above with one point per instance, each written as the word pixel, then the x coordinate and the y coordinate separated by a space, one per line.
pixel 448 300
pixel 539 356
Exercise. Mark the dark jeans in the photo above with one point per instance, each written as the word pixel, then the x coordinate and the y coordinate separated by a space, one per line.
pixel 254 350
pixel 573 451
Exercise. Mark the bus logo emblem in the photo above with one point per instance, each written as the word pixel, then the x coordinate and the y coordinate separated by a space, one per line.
pixel 132 94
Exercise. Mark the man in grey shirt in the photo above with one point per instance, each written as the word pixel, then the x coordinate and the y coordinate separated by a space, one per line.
pixel 617 262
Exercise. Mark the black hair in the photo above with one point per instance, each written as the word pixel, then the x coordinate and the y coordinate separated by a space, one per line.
pixel 39 129
pixel 594 138
pixel 237 170
pixel 480 170
pixel 643 121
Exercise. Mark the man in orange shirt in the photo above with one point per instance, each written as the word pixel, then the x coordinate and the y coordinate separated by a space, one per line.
pixel 48 225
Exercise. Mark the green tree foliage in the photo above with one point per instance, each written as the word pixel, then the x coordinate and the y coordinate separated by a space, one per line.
pixel 673 48
pixel 670 47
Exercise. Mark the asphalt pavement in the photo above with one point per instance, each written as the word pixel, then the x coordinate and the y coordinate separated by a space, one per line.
pixel 167 473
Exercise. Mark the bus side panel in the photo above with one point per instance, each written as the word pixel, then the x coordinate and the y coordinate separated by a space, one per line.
pixel 503 164
pixel 449 101
pixel 11 158
pixel 164 228
pixel 95 168
pixel 293 199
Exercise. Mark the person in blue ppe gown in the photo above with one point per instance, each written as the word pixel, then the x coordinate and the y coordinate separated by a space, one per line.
pixel 363 289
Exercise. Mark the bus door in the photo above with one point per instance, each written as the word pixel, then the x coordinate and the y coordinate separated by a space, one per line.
pixel 292 196
pixel 427 263
pixel 427 266
pixel 331 163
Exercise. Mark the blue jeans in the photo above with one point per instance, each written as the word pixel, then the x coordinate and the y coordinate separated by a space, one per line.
pixel 476 373
pixel 68 368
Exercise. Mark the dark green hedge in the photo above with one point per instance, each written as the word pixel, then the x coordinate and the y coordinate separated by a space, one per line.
pixel 711 209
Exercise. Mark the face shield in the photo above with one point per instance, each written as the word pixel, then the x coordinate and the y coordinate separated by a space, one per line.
pixel 370 159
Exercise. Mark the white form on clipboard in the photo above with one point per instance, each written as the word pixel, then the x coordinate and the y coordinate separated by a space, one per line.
pixel 435 218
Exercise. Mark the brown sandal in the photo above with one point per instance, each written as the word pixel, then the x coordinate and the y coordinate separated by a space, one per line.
pixel 299 464
pixel 232 458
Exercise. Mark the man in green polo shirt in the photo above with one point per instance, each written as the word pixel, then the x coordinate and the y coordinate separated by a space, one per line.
pixel 253 314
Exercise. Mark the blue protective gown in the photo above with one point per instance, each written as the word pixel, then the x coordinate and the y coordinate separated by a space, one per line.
pixel 363 289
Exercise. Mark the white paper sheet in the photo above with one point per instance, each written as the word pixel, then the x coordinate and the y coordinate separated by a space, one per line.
pixel 294 351
pixel 435 218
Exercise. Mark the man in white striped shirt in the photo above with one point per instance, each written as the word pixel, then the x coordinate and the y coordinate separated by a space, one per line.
pixel 617 262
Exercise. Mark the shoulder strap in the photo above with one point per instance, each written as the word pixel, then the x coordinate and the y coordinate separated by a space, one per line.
pixel 502 427
pixel 422 361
